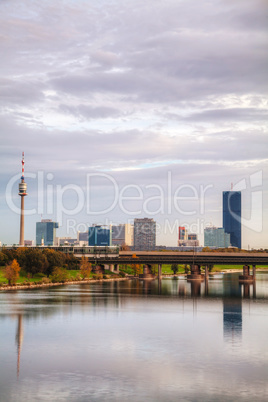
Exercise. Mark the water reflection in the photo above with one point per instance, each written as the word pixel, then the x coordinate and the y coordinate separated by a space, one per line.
pixel 145 340
pixel 232 308
pixel 19 340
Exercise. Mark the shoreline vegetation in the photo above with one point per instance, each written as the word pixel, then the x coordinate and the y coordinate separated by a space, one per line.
pixel 26 268
pixel 45 282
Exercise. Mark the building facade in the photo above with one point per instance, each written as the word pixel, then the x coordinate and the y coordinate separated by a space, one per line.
pixel 182 233
pixel 46 232
pixel 187 239
pixel 99 236
pixel 144 234
pixel 66 241
pixel 216 237
pixel 82 238
pixel 123 234
pixel 231 219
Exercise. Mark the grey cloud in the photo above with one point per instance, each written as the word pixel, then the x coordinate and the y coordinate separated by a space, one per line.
pixel 89 112
pixel 226 115
pixel 183 83
pixel 14 91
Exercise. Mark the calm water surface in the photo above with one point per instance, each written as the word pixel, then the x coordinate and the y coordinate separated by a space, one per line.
pixel 136 341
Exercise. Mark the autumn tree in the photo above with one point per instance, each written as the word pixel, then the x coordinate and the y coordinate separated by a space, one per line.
pixel 85 268
pixel 59 274
pixel 136 267
pixel 11 272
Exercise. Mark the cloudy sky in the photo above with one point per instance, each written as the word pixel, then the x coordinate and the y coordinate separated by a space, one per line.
pixel 165 102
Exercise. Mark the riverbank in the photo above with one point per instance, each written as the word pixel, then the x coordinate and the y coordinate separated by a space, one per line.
pixel 50 284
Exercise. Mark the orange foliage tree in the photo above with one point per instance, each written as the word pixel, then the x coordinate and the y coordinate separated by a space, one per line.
pixel 12 271
pixel 85 268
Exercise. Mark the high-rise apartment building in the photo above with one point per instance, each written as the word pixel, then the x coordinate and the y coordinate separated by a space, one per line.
pixel 46 232
pixel 144 234
pixel 231 220
pixel 99 236
pixel 122 234
pixel 216 237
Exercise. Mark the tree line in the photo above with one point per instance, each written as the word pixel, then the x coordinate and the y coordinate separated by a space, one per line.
pixel 33 260
pixel 52 264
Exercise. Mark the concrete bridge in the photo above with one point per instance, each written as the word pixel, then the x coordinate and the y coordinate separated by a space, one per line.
pixel 195 260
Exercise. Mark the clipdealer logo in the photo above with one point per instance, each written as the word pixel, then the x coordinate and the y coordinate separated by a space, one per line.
pixel 131 199
pixel 254 186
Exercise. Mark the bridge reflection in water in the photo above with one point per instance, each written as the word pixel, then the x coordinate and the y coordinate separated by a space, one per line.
pixel 230 290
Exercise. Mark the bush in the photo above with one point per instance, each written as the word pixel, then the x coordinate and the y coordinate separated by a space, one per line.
pixel 45 280
pixel 99 276
pixel 106 276
pixel 78 277
pixel 59 275
pixel 40 275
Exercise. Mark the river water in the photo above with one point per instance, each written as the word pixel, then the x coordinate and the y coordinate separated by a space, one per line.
pixel 136 341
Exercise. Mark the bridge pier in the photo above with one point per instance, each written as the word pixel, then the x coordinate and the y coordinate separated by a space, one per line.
pixel 116 268
pixel 98 269
pixel 195 274
pixel 159 271
pixel 246 277
pixel 147 272
pixel 206 273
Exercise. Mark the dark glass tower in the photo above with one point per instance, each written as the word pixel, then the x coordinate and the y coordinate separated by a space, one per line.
pixel 99 236
pixel 46 232
pixel 232 216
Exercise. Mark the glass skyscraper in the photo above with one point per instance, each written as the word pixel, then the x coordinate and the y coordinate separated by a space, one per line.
pixel 99 236
pixel 231 220
pixel 46 231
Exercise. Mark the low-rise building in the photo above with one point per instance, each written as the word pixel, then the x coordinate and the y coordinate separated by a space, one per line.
pixel 216 237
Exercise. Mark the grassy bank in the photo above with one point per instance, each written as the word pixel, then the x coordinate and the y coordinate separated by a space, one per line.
pixel 72 274
pixel 37 278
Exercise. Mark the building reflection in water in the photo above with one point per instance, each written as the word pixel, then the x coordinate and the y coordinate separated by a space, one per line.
pixel 232 308
pixel 19 340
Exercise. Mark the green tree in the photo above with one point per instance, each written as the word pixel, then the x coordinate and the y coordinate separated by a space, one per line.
pixel 54 259
pixel 85 268
pixel 174 268
pixel 186 268
pixel 3 259
pixel 11 272
pixel 210 267
pixel 32 260
pixel 154 269
pixel 71 261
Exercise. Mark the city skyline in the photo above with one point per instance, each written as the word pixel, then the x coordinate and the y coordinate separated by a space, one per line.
pixel 83 91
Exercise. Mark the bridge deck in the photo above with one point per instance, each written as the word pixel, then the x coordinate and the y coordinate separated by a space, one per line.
pixel 147 257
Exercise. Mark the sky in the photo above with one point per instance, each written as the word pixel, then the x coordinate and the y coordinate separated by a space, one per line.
pixel 129 109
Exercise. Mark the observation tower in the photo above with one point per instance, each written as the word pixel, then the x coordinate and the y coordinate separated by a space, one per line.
pixel 22 194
